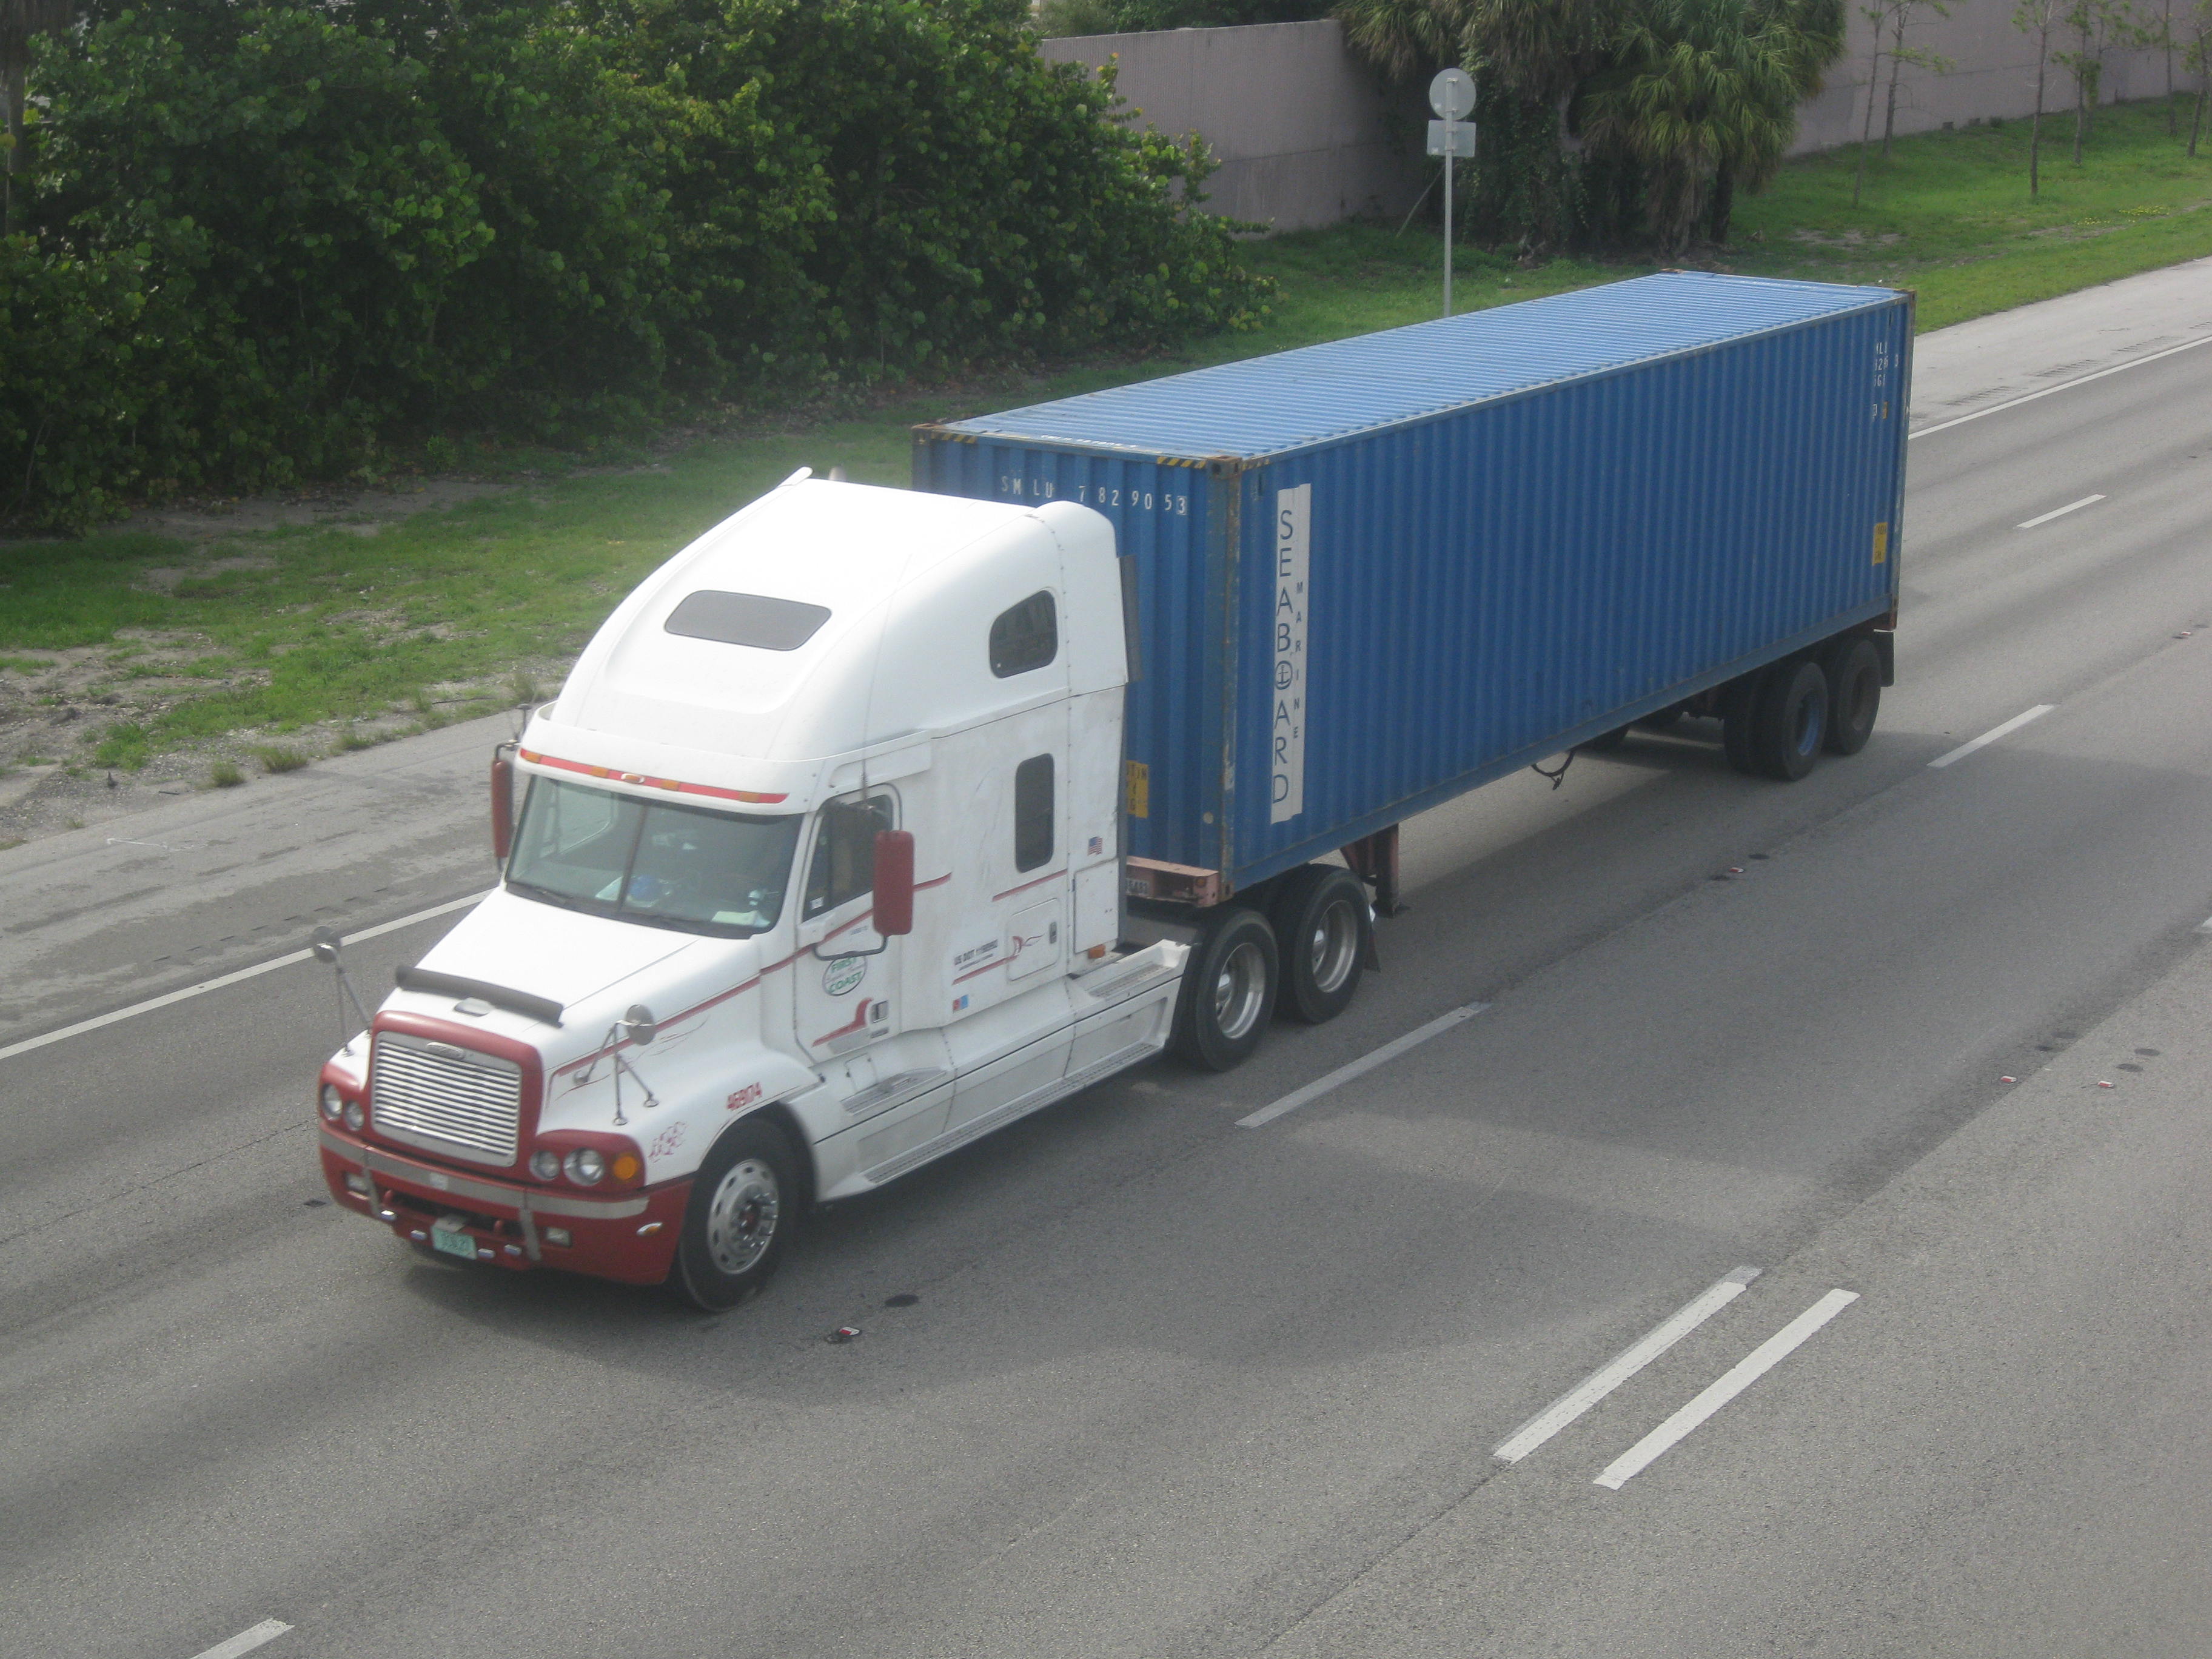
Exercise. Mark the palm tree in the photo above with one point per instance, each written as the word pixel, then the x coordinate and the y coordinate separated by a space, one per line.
pixel 21 22
pixel 1703 97
pixel 1404 38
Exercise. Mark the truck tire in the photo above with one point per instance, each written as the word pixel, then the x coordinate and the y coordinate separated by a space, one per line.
pixel 1739 716
pixel 1854 669
pixel 745 1205
pixel 1320 923
pixel 1789 721
pixel 1228 992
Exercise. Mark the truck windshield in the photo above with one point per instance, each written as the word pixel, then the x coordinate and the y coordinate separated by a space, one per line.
pixel 684 867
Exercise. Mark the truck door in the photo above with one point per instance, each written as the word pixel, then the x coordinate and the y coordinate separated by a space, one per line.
pixel 1012 1012
pixel 851 1016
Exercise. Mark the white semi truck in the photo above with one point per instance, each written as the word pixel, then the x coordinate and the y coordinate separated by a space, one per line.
pixel 877 818
pixel 817 877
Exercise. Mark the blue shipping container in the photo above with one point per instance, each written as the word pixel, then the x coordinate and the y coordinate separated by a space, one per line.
pixel 1374 574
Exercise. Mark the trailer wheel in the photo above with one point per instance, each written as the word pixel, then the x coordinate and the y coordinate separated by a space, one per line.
pixel 1321 927
pixel 1790 720
pixel 1665 720
pixel 1739 701
pixel 1228 992
pixel 745 1205
pixel 1607 743
pixel 1854 671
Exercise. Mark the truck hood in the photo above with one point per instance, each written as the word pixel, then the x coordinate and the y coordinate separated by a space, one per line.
pixel 547 951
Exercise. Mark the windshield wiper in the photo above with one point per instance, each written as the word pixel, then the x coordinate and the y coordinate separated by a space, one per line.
pixel 553 896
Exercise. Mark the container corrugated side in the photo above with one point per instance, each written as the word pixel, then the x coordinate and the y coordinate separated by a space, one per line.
pixel 1490 587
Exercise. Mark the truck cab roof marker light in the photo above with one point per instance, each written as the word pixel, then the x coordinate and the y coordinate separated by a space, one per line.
pixel 750 797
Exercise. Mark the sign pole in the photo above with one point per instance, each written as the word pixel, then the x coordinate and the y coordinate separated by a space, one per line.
pixel 1451 95
pixel 1448 125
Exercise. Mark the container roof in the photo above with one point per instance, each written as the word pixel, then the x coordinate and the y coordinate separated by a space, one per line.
pixel 1292 399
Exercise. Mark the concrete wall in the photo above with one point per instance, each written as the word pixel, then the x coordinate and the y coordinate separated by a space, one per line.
pixel 1296 121
pixel 1994 74
pixel 1299 124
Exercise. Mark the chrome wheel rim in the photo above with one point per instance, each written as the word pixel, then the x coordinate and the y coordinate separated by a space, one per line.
pixel 742 1216
pixel 1333 947
pixel 1239 991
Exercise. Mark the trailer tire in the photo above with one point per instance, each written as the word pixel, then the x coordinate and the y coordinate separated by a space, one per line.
pixel 1739 701
pixel 1228 992
pixel 1853 667
pixel 1789 721
pixel 1666 719
pixel 744 1206
pixel 1322 924
pixel 1607 743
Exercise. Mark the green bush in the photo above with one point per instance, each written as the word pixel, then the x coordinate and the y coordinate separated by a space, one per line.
pixel 268 241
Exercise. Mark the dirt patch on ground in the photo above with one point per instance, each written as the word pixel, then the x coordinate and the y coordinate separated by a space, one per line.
pixel 364 511
pixel 57 707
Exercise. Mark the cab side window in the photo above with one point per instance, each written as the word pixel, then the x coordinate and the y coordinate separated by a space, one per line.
pixel 1033 812
pixel 1024 636
pixel 844 866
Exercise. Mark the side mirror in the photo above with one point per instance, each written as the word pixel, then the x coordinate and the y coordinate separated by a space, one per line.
pixel 894 882
pixel 502 800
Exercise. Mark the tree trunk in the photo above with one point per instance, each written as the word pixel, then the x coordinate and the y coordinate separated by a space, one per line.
pixel 1896 60
pixel 2081 96
pixel 2035 127
pixel 2196 122
pixel 1723 203
pixel 1866 130
pixel 15 96
pixel 2166 45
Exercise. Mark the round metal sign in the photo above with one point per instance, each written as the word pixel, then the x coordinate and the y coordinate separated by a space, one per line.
pixel 1451 95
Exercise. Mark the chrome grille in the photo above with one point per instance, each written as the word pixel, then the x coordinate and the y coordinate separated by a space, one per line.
pixel 446 1098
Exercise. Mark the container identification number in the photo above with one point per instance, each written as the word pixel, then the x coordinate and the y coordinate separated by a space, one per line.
pixel 1098 496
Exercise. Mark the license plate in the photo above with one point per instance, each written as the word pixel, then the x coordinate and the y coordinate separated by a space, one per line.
pixel 454 1243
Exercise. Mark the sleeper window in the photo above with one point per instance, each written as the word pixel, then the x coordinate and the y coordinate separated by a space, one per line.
pixel 1024 636
pixel 844 866
pixel 1033 812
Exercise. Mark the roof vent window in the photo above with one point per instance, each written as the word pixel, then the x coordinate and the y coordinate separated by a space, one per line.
pixel 751 619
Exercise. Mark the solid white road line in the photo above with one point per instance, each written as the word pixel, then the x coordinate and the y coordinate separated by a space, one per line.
pixel 2060 512
pixel 216 984
pixel 1607 1378
pixel 1361 1068
pixel 246 1640
pixel 1747 1371
pixel 1992 735
pixel 2030 397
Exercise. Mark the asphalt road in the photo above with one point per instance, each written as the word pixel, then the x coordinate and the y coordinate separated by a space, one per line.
pixel 1176 1387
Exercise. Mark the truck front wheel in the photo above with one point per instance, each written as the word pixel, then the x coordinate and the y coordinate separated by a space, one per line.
pixel 744 1203
pixel 1320 921
pixel 1228 992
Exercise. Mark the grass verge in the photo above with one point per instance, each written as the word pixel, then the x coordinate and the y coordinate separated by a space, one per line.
pixel 335 639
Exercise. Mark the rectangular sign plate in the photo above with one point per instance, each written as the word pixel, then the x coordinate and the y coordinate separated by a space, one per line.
pixel 454 1243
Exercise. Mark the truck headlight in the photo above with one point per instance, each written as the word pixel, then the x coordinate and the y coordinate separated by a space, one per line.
pixel 332 1103
pixel 356 1115
pixel 586 1168
pixel 545 1163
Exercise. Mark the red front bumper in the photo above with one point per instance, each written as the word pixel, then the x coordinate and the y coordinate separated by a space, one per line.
pixel 631 1237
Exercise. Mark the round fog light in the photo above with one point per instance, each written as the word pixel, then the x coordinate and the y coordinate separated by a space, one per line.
pixel 354 1116
pixel 332 1103
pixel 545 1163
pixel 586 1167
